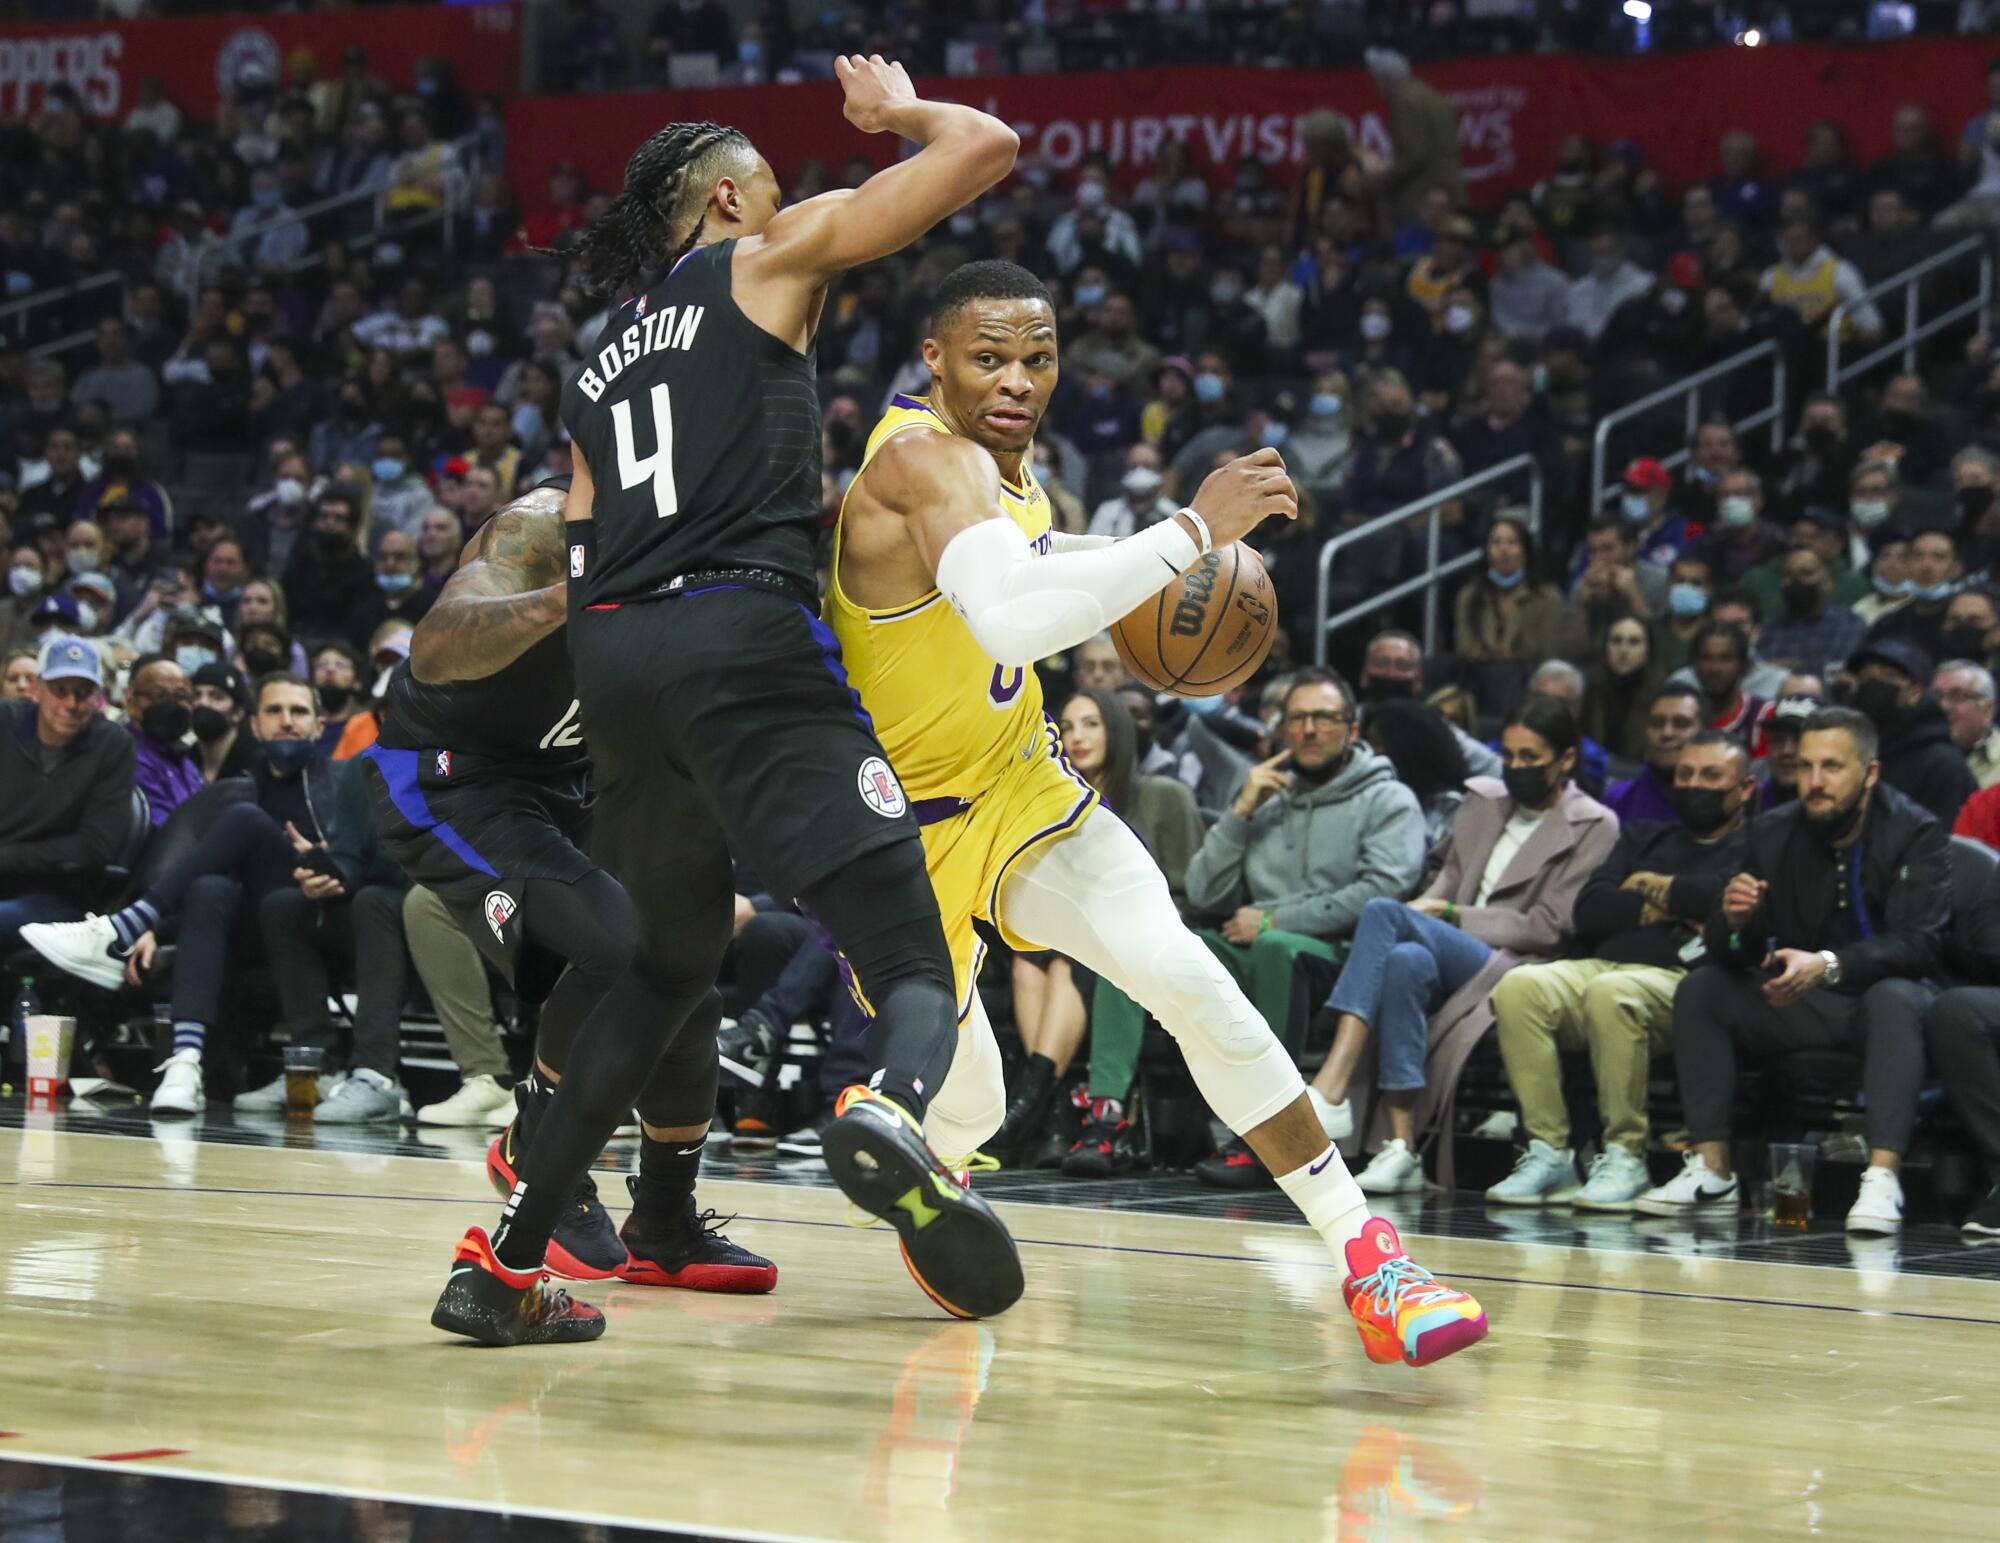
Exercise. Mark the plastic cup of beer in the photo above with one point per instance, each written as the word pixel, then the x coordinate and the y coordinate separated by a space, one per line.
pixel 1792 1183
pixel 302 1063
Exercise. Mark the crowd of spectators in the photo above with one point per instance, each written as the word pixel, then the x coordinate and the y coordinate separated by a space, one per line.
pixel 224 512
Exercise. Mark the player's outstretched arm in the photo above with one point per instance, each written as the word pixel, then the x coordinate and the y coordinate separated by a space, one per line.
pixel 508 594
pixel 964 153
pixel 1021 607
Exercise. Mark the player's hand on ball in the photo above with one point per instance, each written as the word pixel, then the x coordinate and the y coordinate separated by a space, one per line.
pixel 875 88
pixel 1235 499
pixel 1266 778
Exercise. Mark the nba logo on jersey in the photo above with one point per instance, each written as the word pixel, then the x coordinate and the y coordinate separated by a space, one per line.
pixel 444 763
pixel 576 561
pixel 880 790
pixel 499 910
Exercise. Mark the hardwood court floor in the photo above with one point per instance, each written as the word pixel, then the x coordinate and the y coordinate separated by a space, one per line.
pixel 259 1316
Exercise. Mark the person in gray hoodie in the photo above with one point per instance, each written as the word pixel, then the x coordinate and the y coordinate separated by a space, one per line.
pixel 1313 835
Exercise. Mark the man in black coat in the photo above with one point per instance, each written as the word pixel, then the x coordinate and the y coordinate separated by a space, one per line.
pixel 1962 1030
pixel 1822 942
pixel 1919 758
pixel 328 583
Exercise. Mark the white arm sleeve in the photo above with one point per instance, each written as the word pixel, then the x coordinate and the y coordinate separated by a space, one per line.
pixel 1022 608
pixel 1062 541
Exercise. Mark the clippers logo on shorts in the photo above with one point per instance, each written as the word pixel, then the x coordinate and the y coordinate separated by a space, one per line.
pixel 880 790
pixel 444 763
pixel 499 911
pixel 576 561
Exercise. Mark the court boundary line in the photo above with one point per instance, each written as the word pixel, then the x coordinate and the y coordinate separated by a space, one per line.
pixel 1128 1248
pixel 406 1497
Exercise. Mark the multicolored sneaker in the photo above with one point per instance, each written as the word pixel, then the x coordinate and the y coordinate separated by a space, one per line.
pixel 688 1251
pixel 585 1245
pixel 955 1247
pixel 486 1301
pixel 1404 1312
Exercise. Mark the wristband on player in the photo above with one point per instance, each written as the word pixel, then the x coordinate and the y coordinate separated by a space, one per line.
pixel 1201 530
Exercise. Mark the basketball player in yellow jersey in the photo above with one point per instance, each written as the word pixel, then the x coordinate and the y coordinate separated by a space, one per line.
pixel 948 584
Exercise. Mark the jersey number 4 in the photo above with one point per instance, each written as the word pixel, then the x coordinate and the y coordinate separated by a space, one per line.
pixel 659 466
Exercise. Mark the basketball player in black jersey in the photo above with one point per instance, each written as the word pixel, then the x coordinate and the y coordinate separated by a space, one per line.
pixel 480 777
pixel 713 699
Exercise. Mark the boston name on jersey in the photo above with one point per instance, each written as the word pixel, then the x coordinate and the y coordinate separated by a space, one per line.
pixel 670 327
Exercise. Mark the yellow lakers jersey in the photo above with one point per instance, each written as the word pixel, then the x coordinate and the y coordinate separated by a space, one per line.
pixel 952 721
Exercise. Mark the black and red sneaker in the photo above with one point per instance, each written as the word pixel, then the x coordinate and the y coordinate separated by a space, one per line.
pixel 486 1301
pixel 1235 1167
pixel 585 1245
pixel 1105 1149
pixel 689 1251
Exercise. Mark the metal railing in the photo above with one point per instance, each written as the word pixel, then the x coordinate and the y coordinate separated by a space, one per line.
pixel 1435 573
pixel 15 315
pixel 1692 387
pixel 1914 331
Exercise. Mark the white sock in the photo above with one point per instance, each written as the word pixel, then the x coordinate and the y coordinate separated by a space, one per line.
pixel 1330 1199
pixel 1323 1107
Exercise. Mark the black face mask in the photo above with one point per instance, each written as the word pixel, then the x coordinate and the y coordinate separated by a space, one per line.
pixel 332 545
pixel 1822 439
pixel 209 724
pixel 1529 786
pixel 165 721
pixel 1382 689
pixel 1702 810
pixel 1320 776
pixel 1881 702
pixel 1830 830
pixel 1974 502
pixel 1392 427
pixel 288 757
pixel 120 465
pixel 1963 643
pixel 1898 424
pixel 259 661
pixel 1801 600
pixel 334 698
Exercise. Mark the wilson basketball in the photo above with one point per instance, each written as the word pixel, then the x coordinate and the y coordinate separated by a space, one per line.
pixel 1206 631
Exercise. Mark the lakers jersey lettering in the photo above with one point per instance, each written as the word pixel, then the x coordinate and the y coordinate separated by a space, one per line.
pixel 951 720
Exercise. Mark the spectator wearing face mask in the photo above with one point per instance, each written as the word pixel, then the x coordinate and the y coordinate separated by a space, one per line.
pixel 340 680
pixel 1508 612
pixel 1378 349
pixel 1741 538
pixel 1821 463
pixel 1217 426
pixel 1672 716
pixel 1662 536
pixel 400 594
pixel 1814 630
pixel 1611 584
pixel 1934 572
pixel 401 496
pixel 1612 280
pixel 224 572
pixel 350 434
pixel 330 583
pixel 159 709
pixel 1687 609
pixel 1392 669
pixel 27 579
pixel 224 747
pixel 1322 440
pixel 1093 221
pixel 192 636
pixel 1139 503
pixel 1529 295
pixel 1919 759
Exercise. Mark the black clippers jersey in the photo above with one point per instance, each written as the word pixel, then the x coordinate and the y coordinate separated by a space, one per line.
pixel 522 721
pixel 702 434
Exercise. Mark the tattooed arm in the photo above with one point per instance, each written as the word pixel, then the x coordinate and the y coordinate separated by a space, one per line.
pixel 508 594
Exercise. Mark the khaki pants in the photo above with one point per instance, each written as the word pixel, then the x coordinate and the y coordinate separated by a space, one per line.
pixel 1622 1014
pixel 455 976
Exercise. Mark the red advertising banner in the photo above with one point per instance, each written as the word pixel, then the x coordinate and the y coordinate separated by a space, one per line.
pixel 1513 111
pixel 195 58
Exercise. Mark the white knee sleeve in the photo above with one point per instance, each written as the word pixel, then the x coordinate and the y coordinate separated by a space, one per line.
pixel 1235 1059
pixel 969 1107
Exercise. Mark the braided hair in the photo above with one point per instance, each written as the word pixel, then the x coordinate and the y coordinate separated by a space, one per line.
pixel 667 184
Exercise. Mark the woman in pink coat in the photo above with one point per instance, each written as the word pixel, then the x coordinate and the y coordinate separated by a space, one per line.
pixel 1418 978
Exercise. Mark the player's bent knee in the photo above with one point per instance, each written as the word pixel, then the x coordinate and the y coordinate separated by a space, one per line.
pixel 1195 997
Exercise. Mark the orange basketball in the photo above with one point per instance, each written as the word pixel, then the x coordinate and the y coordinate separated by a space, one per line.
pixel 1206 631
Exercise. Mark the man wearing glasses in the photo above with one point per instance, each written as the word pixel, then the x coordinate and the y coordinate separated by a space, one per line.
pixel 1317 832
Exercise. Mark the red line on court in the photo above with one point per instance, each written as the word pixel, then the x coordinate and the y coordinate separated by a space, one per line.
pixel 4 1434
pixel 133 1457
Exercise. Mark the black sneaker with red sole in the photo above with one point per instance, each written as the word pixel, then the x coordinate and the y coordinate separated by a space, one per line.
pixel 1105 1150
pixel 486 1301
pixel 1235 1167
pixel 585 1245
pixel 689 1251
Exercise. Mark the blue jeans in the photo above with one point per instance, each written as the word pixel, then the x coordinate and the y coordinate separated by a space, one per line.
pixel 1402 967
pixel 25 909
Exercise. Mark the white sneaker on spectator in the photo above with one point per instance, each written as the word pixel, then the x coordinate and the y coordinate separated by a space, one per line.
pixel 1541 1176
pixel 1395 1170
pixel 86 949
pixel 180 1090
pixel 363 1098
pixel 1694 1188
pixel 1337 1120
pixel 1878 1209
pixel 479 1100
pixel 1616 1179
pixel 270 1098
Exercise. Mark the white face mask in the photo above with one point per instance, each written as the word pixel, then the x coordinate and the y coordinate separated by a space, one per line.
pixel 1374 326
pixel 1141 483
pixel 290 490
pixel 1868 512
pixel 1458 318
pixel 1736 511
pixel 24 581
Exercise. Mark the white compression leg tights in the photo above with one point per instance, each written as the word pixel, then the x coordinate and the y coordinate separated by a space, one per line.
pixel 1098 896
pixel 969 1107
